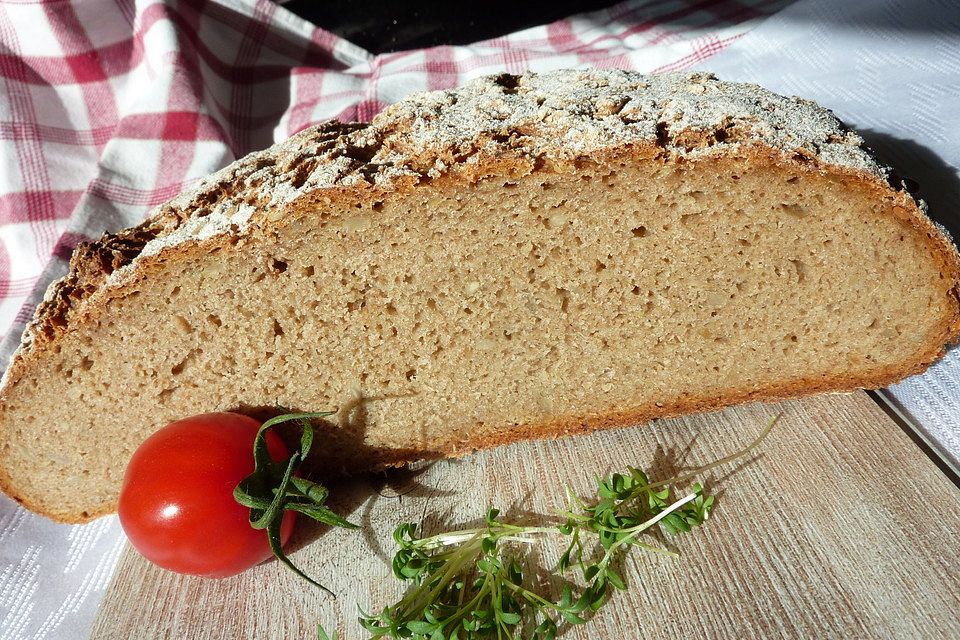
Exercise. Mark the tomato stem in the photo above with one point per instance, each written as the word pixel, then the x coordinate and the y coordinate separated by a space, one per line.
pixel 273 489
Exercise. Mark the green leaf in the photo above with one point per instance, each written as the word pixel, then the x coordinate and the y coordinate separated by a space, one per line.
pixel 322 514
pixel 310 490
pixel 572 618
pixel 597 595
pixel 591 572
pixel 546 630
pixel 515 572
pixel 421 627
pixel 306 438
pixel 488 544
pixel 322 634
pixel 614 578
pixel 405 534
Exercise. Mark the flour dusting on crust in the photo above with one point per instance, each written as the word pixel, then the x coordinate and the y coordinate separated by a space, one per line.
pixel 575 112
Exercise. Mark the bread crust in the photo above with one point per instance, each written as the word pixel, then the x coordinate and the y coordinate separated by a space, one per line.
pixel 415 142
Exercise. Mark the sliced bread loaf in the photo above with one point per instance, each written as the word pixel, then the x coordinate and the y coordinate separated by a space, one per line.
pixel 526 256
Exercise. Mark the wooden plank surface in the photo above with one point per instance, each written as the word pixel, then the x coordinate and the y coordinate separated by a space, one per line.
pixel 839 528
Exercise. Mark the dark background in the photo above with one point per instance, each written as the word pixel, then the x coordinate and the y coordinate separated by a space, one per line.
pixel 392 25
pixel 381 26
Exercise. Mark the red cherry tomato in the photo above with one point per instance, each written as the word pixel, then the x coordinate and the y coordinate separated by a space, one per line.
pixel 176 503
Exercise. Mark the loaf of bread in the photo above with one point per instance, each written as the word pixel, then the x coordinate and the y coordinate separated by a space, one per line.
pixel 527 256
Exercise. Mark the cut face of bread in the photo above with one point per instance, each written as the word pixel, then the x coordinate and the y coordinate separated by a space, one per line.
pixel 533 256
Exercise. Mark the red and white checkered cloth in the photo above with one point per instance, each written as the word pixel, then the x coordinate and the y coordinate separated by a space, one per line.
pixel 110 108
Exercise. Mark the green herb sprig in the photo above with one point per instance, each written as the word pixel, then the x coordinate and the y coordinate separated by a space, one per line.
pixel 469 584
pixel 273 488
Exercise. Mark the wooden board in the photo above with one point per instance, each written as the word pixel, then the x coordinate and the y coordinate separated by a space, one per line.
pixel 840 528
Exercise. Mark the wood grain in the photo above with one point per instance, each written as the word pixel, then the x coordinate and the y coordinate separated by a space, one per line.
pixel 840 528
